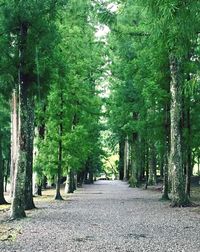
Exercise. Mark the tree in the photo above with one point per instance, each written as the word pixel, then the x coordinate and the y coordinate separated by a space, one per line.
pixel 23 29
pixel 148 57
pixel 72 96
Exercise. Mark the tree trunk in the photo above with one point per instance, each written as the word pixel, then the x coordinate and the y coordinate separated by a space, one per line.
pixel 59 173
pixel 39 189
pixel 91 177
pixel 58 182
pixel 39 178
pixel 2 199
pixel 14 140
pixel 179 198
pixel 188 153
pixel 126 159
pixel 74 182
pixel 152 165
pixel 80 178
pixel 141 159
pixel 162 165
pixel 29 204
pixel 18 202
pixel 147 165
pixel 121 159
pixel 71 181
pixel 166 154
pixel 7 173
pixel 134 170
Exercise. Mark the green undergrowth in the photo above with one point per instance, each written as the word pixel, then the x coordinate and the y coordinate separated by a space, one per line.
pixel 195 194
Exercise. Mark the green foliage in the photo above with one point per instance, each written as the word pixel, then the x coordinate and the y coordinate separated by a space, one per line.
pixel 141 41
pixel 73 100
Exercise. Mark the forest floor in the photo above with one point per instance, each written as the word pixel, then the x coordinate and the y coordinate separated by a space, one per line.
pixel 107 216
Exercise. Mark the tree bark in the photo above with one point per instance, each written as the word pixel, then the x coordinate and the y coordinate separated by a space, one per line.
pixel 91 177
pixel 121 159
pixel 165 195
pixel 59 173
pixel 71 181
pixel 80 178
pixel 60 150
pixel 126 159
pixel 14 140
pixel 188 153
pixel 147 164
pixel 179 198
pixel 29 204
pixel 74 182
pixel 152 165
pixel 2 199
pixel 39 177
pixel 18 202
pixel 134 169
pixel 7 174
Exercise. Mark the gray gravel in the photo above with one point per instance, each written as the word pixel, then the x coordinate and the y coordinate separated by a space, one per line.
pixel 108 216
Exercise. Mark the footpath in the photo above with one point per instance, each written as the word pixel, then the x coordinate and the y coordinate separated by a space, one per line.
pixel 106 217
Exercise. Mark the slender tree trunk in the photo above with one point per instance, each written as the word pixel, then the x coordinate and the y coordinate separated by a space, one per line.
pixel 29 204
pixel 71 181
pixel 147 164
pixel 179 198
pixel 74 182
pixel 80 178
pixel 7 174
pixel 40 177
pixel 39 189
pixel 121 159
pixel 58 182
pixel 134 169
pixel 89 169
pixel 58 195
pixel 14 140
pixel 91 177
pixel 2 199
pixel 162 166
pixel 152 165
pixel 166 154
pixel 141 158
pixel 59 173
pixel 188 153
pixel 126 159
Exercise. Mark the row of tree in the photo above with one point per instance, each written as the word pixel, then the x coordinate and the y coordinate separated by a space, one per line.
pixel 49 68
pixel 154 103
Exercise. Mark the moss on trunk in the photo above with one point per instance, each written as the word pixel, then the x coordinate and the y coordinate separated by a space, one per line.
pixel 179 197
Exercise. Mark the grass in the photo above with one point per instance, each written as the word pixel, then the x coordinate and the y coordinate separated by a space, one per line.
pixel 195 194
pixel 4 208
pixel 8 233
pixel 195 198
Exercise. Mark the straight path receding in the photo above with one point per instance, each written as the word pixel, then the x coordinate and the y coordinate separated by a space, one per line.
pixel 108 216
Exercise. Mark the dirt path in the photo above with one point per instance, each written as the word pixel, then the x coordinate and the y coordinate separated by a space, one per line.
pixel 108 216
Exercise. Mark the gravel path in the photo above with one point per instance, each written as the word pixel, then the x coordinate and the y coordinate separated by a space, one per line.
pixel 108 216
